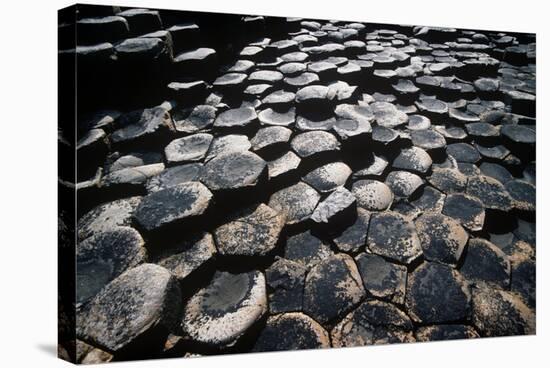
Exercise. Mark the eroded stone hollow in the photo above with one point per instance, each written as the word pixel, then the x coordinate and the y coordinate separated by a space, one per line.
pixel 251 183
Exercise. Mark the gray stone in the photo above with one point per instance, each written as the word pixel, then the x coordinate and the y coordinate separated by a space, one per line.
pixel 372 195
pixel 143 126
pixel 306 249
pixel 466 209
pixel 381 278
pixel 413 159
pixel 270 116
pixel 490 192
pixel 226 144
pixel 403 183
pixel 175 175
pixel 336 208
pixel 310 143
pixel 283 165
pixel 297 202
pixel 236 118
pixel 191 148
pixel 445 332
pixel 442 238
pixel 235 171
pixel 328 177
pixel 201 117
pixel 286 278
pixel 486 264
pixel 448 180
pixel 269 137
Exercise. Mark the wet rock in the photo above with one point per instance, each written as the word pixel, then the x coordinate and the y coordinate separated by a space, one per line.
pixel 501 313
pixel 142 302
pixel 311 143
pixel 236 118
pixel 490 191
pixel 436 294
pixel 373 322
pixel 372 195
pixel 107 217
pixel 270 116
pixel 381 278
pixel 354 237
pixel 188 257
pixel 448 180
pixel 391 235
pixel 284 165
pixel 221 313
pixel 306 249
pixel 445 332
pixel 403 183
pixel 297 202
pixel 466 209
pixel 270 137
pixel 336 209
pixel 292 331
pixel 251 232
pixel 428 139
pixel 190 148
pixel 175 175
pixel 332 288
pixel 523 195
pixel 463 152
pixel 286 278
pixel 201 117
pixel 226 144
pixel 143 127
pixel 328 177
pixel 234 171
pixel 178 204
pixel 105 255
pixel 486 264
pixel 413 159
pixel 442 238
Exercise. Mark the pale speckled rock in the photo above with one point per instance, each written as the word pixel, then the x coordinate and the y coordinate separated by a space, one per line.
pixel 375 169
pixel 286 279
pixel 283 165
pixel 428 139
pixel 234 171
pixel 336 206
pixel 333 287
pixel 328 177
pixel 372 195
pixel 292 331
pixel 190 148
pixel 172 205
pixel 236 118
pixel 358 113
pixel 448 180
pixel 486 264
pixel 312 95
pixel 354 237
pixel 143 300
pixel 268 137
pixel 107 216
pixel 270 116
pixel 490 192
pixel 131 177
pixel 188 256
pixel 442 238
pixel 387 115
pixel 134 159
pixel 436 293
pixel 523 195
pixel 201 117
pixel 445 332
pixel 221 313
pixel 251 232
pixel 391 235
pixel 296 202
pixel 413 159
pixel 103 256
pixel 175 175
pixel 381 278
pixel 403 183
pixel 306 249
pixel 310 143
pixel 228 144
pixel 466 209
pixel 373 322
pixel 501 313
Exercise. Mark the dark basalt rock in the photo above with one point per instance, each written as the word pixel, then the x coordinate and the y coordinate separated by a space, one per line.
pixel 234 172
pixel 466 209
pixel 269 138
pixel 403 183
pixel 372 195
pixel 434 109
pixel 442 238
pixel 428 139
pixel 413 159
pixel 107 217
pixel 381 278
pixel 236 118
pixel 482 130
pixel 306 249
pixel 430 200
pixel 196 59
pixel 142 303
pixel 373 322
pixel 101 29
pixel 501 313
pixel 436 294
pixel 332 288
pixel 490 191
pixel 354 237
pixel 143 127
pixel 187 257
pixel 384 136
pixel 175 175
pixel 200 118
pixel 297 202
pixel 445 332
pixel 251 232
pixel 178 204
pixel 186 93
pixel 336 210
pixel 462 117
pixel 518 134
pixel 221 313
pixel 524 272
pixel 328 177
pixel 103 256
pixel 286 279
pixel 523 195
pixel 227 144
pixel 292 331
pixel 463 152
pixel 190 148
pixel 311 143
pixel 486 264
pixel 130 180
pixel 448 180
pixel 392 236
